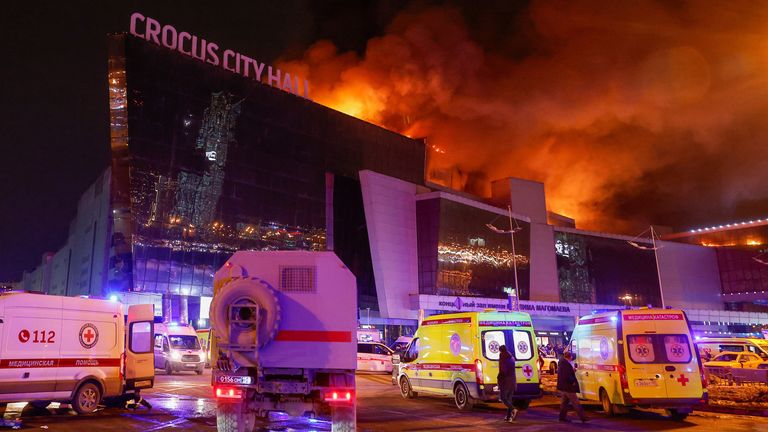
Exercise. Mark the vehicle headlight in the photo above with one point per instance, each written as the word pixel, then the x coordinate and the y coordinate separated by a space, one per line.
pixel 175 355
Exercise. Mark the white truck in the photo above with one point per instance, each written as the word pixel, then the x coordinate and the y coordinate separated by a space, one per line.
pixel 283 338
pixel 73 350
pixel 177 348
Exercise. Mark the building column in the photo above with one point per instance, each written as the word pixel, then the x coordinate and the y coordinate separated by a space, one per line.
pixel 183 310
pixel 167 308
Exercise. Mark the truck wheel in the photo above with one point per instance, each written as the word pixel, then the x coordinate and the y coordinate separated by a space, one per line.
pixel 248 293
pixel 40 405
pixel 199 371
pixel 605 401
pixel 168 369
pixel 552 368
pixel 234 417
pixel 676 415
pixel 521 404
pixel 462 398
pixel 343 419
pixel 87 398
pixel 405 389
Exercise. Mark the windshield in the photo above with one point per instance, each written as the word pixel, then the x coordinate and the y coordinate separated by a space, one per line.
pixel 763 346
pixel 184 342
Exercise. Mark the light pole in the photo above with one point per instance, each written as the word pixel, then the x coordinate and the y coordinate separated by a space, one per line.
pixel 512 305
pixel 655 249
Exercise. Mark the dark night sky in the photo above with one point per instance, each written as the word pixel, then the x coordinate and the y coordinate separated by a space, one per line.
pixel 54 112
pixel 629 112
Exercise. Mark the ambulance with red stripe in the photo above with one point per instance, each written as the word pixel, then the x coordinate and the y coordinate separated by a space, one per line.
pixel 73 350
pixel 638 358
pixel 283 327
pixel 458 355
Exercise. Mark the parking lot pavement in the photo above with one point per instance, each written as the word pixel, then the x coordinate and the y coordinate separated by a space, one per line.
pixel 185 402
pixel 381 408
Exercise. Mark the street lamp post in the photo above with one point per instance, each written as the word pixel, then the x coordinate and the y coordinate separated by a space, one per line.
pixel 511 304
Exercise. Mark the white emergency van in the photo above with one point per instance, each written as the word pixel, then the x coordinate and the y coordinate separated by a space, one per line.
pixel 72 350
pixel 638 358
pixel 177 348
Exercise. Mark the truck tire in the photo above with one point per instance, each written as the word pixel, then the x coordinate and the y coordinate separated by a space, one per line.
pixel 343 418
pixel 406 391
pixel 521 404
pixel 605 402
pixel 40 405
pixel 246 291
pixel 462 397
pixel 234 417
pixel 87 398
pixel 676 415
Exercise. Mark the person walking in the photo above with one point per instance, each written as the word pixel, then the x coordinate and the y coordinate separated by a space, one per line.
pixel 568 387
pixel 507 382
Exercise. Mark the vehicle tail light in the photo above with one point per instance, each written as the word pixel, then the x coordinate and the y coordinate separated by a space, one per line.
pixel 339 396
pixel 703 378
pixel 623 377
pixel 228 393
pixel 479 371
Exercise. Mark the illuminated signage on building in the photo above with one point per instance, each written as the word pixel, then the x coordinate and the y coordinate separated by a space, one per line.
pixel 188 44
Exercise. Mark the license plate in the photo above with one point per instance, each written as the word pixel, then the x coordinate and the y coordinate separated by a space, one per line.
pixel 232 379
pixel 646 383
pixel 190 365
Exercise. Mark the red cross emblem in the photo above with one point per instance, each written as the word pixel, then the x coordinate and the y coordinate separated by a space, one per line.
pixel 89 335
pixel 682 380
pixel 527 371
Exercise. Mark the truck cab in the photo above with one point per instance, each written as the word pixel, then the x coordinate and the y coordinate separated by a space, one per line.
pixel 177 348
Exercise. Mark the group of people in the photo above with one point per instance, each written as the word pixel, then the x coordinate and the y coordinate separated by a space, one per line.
pixel 552 350
pixel 567 385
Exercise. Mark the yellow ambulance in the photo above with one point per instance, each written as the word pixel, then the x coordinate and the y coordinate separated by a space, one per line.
pixel 638 358
pixel 458 355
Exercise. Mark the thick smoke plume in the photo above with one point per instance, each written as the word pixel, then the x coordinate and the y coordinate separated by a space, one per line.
pixel 630 112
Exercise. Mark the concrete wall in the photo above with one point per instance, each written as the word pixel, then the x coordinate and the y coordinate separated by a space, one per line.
pixel 526 197
pixel 88 239
pixel 544 282
pixel 689 276
pixel 390 214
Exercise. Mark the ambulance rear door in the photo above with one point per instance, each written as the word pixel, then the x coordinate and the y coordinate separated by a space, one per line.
pixel 139 352
pixel 644 359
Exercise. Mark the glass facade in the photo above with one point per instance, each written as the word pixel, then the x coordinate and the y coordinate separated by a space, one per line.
pixel 459 255
pixel 743 270
pixel 604 270
pixel 207 162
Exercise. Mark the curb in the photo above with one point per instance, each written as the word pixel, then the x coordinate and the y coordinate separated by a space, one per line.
pixel 737 411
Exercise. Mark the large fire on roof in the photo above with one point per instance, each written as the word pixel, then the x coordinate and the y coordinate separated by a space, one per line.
pixel 630 113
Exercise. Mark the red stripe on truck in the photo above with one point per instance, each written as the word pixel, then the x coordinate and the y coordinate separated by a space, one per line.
pixel 313 336
pixel 52 363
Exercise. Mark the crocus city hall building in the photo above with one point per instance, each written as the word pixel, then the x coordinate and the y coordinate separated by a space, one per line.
pixel 214 151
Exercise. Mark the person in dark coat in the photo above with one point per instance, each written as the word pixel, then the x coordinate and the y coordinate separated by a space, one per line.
pixel 507 382
pixel 568 386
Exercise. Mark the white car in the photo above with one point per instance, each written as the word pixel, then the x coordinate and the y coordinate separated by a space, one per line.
pixel 374 357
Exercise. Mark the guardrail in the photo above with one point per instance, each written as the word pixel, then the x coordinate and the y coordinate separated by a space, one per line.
pixel 738 376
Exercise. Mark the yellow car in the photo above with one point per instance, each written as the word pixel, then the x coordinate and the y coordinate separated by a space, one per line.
pixel 742 359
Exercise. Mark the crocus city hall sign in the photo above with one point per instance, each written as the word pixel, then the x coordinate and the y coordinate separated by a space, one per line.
pixel 167 36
